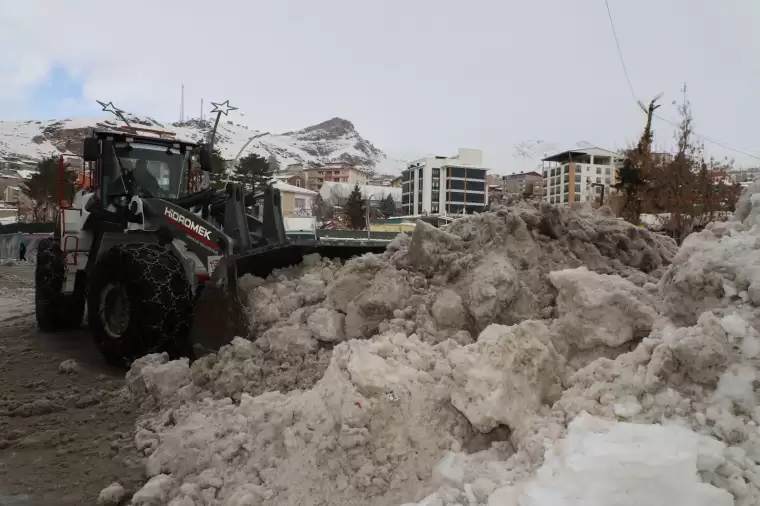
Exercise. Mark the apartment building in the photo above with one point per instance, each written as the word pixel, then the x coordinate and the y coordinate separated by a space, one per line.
pixel 579 175
pixel 335 173
pixel 440 185
pixel 524 183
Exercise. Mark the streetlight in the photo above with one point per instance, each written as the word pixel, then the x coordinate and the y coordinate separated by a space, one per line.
pixel 369 205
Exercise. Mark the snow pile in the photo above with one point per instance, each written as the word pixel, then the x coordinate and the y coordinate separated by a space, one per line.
pixel 509 359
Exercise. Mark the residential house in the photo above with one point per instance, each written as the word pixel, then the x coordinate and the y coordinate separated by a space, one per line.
pixel 396 182
pixel 295 201
pixel 335 173
pixel 579 175
pixel 445 185
pixel 381 179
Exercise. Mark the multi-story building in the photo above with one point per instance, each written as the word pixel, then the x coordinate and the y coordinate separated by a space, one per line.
pixel 524 183
pixel 439 185
pixel 578 175
pixel 335 173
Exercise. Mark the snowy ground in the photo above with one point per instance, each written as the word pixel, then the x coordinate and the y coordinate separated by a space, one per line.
pixel 65 422
pixel 527 356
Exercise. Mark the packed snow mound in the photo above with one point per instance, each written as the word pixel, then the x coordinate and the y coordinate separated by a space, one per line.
pixel 717 269
pixel 468 366
pixel 603 463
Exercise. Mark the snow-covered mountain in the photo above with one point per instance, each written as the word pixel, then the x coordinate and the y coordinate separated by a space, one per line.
pixel 334 140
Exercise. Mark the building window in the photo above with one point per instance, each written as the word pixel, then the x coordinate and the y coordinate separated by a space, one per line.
pixel 566 198
pixel 577 188
pixel 577 177
pixel 598 170
pixel 607 181
pixel 456 172
pixel 300 203
pixel 607 170
pixel 436 172
pixel 476 198
pixel 476 186
pixel 457 184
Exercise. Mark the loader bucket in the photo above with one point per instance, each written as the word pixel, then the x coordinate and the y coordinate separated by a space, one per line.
pixel 220 312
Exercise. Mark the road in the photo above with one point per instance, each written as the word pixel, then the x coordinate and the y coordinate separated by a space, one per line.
pixel 63 436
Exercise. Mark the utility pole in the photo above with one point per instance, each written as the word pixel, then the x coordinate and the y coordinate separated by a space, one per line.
pixel 182 105
pixel 201 109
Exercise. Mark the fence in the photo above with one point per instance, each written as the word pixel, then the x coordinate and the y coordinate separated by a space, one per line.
pixel 9 245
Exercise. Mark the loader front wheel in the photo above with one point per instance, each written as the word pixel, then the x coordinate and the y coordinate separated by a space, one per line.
pixel 139 302
pixel 55 310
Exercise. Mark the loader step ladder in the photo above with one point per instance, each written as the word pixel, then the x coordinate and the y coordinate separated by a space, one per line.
pixel 66 250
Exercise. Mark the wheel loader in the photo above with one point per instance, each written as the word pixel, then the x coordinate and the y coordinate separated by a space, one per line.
pixel 154 255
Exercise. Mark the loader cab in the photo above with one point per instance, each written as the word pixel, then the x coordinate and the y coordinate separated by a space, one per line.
pixel 125 164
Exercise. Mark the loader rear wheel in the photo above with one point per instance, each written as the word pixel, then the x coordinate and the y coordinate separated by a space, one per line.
pixel 55 311
pixel 139 302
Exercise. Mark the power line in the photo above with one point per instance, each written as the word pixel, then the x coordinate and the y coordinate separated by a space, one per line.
pixel 633 93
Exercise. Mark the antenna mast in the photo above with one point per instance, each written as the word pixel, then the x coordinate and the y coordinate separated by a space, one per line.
pixel 182 105
pixel 201 109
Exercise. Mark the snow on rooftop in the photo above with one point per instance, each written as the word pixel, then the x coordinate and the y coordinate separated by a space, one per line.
pixel 285 187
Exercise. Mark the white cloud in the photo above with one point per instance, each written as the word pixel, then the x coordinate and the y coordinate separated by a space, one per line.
pixel 421 76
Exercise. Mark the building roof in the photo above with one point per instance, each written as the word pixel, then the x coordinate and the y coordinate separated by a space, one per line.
pixel 289 188
pixel 337 166
pixel 523 174
pixel 585 151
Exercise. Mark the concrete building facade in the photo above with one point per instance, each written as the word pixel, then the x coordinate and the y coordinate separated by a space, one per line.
pixel 335 173
pixel 438 185
pixel 578 175
pixel 524 182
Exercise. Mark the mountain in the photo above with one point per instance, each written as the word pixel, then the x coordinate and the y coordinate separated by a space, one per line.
pixel 22 143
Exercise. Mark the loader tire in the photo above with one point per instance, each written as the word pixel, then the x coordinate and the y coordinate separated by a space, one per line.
pixel 139 301
pixel 55 311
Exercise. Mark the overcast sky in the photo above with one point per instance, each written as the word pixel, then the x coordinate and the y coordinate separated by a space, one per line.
pixel 414 76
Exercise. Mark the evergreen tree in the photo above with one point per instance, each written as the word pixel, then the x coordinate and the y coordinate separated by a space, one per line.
pixel 42 187
pixel 388 206
pixel 253 172
pixel 321 210
pixel 355 209
pixel 219 172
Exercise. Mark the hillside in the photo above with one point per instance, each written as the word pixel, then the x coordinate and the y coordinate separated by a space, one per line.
pixel 24 142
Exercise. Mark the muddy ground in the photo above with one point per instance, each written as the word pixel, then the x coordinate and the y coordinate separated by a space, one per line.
pixel 64 436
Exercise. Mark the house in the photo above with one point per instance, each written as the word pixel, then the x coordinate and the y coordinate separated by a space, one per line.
pixel 381 179
pixel 578 175
pixel 335 173
pixel 295 201
pixel 445 185
pixel 396 182
pixel 530 183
